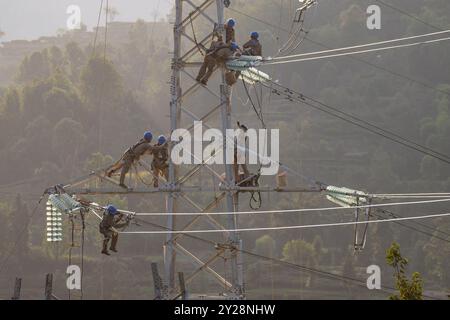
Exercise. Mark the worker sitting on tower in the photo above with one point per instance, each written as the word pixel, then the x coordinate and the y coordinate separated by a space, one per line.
pixel 253 46
pixel 111 221
pixel 131 156
pixel 229 31
pixel 209 63
pixel 218 57
pixel 159 163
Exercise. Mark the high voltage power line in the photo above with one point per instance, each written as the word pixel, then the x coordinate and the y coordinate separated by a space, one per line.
pixel 336 112
pixel 291 210
pixel 363 45
pixel 357 52
pixel 295 227
pixel 320 44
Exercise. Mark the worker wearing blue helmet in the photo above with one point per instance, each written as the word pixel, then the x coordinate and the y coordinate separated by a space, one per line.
pixel 131 156
pixel 217 58
pixel 160 157
pixel 229 31
pixel 253 46
pixel 111 221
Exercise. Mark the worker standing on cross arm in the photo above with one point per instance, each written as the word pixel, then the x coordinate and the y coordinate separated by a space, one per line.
pixel 240 155
pixel 131 156
pixel 111 221
pixel 159 163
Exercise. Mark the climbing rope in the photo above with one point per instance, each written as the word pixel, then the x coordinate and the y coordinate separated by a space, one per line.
pixel 194 35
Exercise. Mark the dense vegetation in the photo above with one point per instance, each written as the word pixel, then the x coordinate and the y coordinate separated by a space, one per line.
pixel 73 109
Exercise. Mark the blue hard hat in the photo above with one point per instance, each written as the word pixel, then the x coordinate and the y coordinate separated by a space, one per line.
pixel 254 35
pixel 231 23
pixel 234 46
pixel 161 140
pixel 148 136
pixel 111 210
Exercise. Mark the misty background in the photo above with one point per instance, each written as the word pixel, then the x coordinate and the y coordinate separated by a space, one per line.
pixel 27 19
pixel 70 105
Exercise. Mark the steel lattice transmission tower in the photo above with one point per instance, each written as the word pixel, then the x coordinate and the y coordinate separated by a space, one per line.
pixel 234 284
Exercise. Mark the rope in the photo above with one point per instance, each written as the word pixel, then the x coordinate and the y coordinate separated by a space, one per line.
pixel 96 30
pixel 193 34
pixel 302 210
pixel 255 200
pixel 295 227
pixel 106 31
pixel 140 178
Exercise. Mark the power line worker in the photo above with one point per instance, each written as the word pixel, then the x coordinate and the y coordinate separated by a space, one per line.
pixel 159 163
pixel 253 46
pixel 130 156
pixel 239 155
pixel 209 62
pixel 223 56
pixel 218 57
pixel 111 221
pixel 230 35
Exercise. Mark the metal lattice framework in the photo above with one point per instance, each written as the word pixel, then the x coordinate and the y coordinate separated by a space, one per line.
pixel 181 60
pixel 176 189
pixel 186 49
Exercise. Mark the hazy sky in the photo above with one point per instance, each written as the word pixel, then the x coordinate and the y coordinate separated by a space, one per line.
pixel 30 19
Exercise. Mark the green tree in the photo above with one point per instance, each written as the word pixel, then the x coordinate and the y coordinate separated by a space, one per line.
pixel 35 67
pixel 409 289
pixel 437 255
pixel 100 82
pixel 349 270
pixel 265 245
pixel 20 221
pixel 76 59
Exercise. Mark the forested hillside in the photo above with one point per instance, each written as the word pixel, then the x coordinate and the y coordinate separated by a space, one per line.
pixel 68 110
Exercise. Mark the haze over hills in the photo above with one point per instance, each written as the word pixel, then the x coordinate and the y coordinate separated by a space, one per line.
pixel 68 109
pixel 24 19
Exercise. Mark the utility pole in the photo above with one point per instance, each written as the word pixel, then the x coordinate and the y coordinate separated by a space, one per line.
pixel 17 289
pixel 175 113
pixel 234 285
pixel 49 286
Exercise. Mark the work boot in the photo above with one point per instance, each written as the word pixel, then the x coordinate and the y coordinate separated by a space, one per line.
pixel 204 82
pixel 105 247
pixel 114 243
pixel 123 185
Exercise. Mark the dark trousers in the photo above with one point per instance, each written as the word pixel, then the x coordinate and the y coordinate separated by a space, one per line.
pixel 207 69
